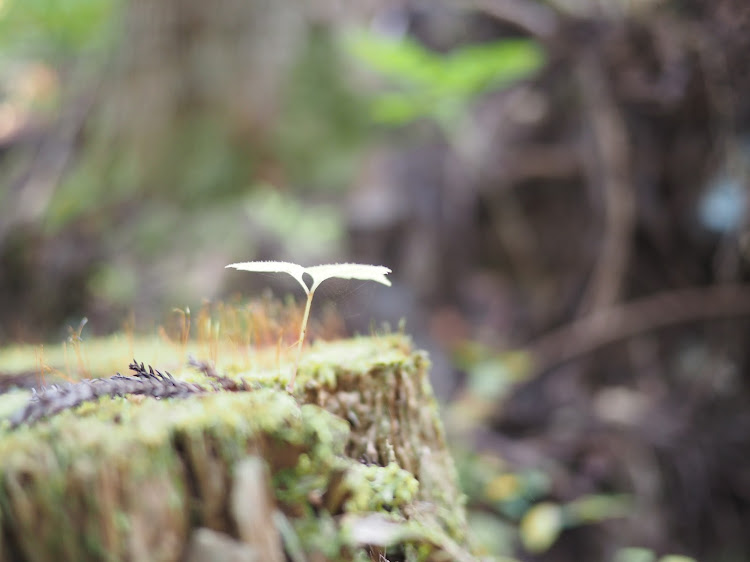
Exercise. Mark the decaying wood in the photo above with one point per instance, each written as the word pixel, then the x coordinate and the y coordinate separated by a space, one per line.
pixel 392 413
pixel 252 509
pixel 214 474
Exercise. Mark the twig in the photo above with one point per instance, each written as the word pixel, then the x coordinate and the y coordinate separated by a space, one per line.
pixel 536 19
pixel 610 165
pixel 148 382
pixel 224 383
pixel 616 323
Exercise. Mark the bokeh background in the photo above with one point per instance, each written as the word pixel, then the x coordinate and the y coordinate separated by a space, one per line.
pixel 560 188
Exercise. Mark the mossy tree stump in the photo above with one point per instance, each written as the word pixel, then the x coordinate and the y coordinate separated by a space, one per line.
pixel 353 466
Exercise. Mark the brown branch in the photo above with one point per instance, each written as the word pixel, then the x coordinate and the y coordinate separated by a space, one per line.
pixel 616 323
pixel 534 18
pixel 607 162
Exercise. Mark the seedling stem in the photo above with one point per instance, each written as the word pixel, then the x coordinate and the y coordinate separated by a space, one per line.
pixel 301 342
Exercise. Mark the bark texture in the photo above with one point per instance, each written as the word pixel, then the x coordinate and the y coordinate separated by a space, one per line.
pixel 244 475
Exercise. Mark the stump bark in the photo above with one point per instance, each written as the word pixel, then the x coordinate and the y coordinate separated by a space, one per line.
pixel 353 466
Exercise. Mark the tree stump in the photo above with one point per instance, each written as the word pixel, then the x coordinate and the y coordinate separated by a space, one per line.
pixel 353 466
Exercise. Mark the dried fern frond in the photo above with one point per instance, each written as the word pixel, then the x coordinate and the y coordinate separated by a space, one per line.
pixel 145 382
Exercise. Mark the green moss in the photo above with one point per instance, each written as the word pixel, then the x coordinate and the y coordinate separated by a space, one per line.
pixel 329 430
pixel 322 535
pixel 104 454
pixel 82 480
pixel 379 488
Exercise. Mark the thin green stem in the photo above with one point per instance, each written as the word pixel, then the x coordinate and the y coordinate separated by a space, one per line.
pixel 300 343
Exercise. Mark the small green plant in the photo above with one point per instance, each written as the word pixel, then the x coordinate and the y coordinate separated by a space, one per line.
pixel 318 273
pixel 424 83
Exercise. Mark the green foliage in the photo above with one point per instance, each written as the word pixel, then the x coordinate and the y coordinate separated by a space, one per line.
pixel 438 86
pixel 302 227
pixel 541 526
pixel 542 523
pixel 323 121
pixel 637 554
pixel 517 502
pixel 54 28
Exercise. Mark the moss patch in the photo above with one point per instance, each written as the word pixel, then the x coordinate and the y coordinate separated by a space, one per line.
pixel 130 477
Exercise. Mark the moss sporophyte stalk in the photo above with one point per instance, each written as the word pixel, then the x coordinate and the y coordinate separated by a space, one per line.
pixel 318 273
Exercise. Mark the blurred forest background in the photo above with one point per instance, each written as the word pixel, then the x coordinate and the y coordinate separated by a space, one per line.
pixel 560 188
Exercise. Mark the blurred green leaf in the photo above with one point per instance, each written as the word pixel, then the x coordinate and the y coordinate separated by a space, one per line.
pixel 490 379
pixel 540 526
pixel 54 27
pixel 428 84
pixel 393 108
pixel 491 534
pixel 503 487
pixel 491 65
pixel 634 554
pixel 638 554
pixel 493 377
pixel 597 507
pixel 404 59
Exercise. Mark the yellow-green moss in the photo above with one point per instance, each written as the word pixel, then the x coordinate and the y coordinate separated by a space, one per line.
pixel 378 488
pixel 97 470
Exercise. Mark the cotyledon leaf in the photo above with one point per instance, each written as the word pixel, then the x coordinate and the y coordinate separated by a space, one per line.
pixel 319 273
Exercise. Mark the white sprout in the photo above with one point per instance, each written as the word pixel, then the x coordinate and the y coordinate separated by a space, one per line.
pixel 319 273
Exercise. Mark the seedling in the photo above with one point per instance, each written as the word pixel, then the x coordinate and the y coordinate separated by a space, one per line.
pixel 319 273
